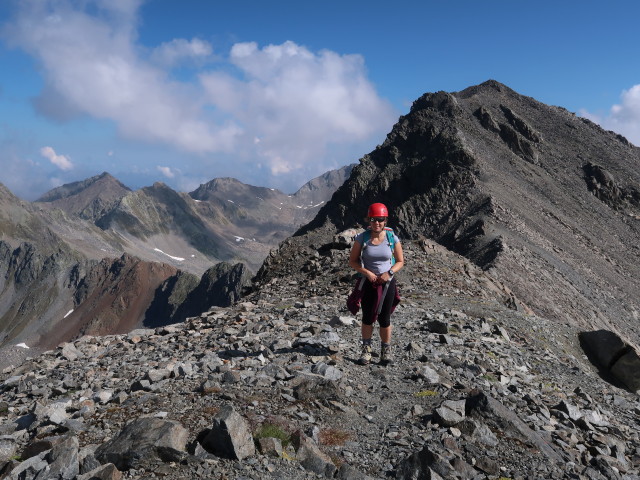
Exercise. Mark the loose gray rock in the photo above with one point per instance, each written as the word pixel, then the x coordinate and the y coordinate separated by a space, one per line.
pixel 30 468
pixel 347 472
pixel 427 464
pixel 327 371
pixel 271 446
pixel 103 472
pixel 70 352
pixel 429 374
pixel 480 405
pixel 143 441
pixel 230 436
pixel 309 386
pixel 311 457
pixel 450 413
pixel 63 459
pixel 8 447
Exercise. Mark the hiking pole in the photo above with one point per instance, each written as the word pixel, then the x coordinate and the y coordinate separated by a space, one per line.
pixel 384 295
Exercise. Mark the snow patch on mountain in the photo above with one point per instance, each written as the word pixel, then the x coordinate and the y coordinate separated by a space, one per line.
pixel 177 259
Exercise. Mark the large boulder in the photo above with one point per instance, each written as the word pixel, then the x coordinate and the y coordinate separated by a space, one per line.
pixel 613 355
pixel 627 370
pixel 230 436
pixel 311 457
pixel 144 441
pixel 602 346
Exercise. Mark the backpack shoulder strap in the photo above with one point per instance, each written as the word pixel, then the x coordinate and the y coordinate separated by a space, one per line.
pixel 390 238
pixel 392 244
pixel 366 237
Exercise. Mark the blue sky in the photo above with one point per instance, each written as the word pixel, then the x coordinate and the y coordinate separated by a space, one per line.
pixel 276 93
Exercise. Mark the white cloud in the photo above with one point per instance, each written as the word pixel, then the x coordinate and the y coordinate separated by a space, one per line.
pixel 60 161
pixel 166 171
pixel 178 50
pixel 298 102
pixel 308 109
pixel 104 76
pixel 623 118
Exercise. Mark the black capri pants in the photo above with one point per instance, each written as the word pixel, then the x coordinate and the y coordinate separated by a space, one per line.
pixel 369 297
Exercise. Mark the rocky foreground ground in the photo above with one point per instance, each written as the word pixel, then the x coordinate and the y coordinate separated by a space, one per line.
pixel 481 388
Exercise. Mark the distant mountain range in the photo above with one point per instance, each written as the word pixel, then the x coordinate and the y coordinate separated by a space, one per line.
pixel 222 220
pixel 96 257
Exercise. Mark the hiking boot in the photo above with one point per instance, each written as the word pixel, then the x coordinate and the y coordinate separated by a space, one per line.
pixel 386 357
pixel 365 356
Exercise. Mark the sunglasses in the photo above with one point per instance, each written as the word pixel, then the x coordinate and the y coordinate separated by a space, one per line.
pixel 378 219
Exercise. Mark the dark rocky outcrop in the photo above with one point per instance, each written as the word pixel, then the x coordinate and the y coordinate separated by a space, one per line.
pixel 614 356
pixel 603 185
pixel 221 285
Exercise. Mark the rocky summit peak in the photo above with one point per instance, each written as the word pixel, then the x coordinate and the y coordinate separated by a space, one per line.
pixel 90 199
pixel 523 189
pixel 230 188
pixel 490 87
pixel 103 183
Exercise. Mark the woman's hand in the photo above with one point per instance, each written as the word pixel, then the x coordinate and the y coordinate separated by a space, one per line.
pixel 372 277
pixel 384 277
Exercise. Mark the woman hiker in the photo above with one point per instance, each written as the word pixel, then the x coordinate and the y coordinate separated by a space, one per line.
pixel 377 256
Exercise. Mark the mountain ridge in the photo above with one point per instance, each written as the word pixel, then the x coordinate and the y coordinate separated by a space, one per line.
pixel 487 173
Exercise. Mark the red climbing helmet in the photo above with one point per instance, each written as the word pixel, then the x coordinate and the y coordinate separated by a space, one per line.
pixel 377 210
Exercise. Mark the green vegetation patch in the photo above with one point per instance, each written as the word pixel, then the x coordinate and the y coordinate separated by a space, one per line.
pixel 426 393
pixel 271 430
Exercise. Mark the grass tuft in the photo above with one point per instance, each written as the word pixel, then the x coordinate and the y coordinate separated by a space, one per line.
pixel 426 393
pixel 271 430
